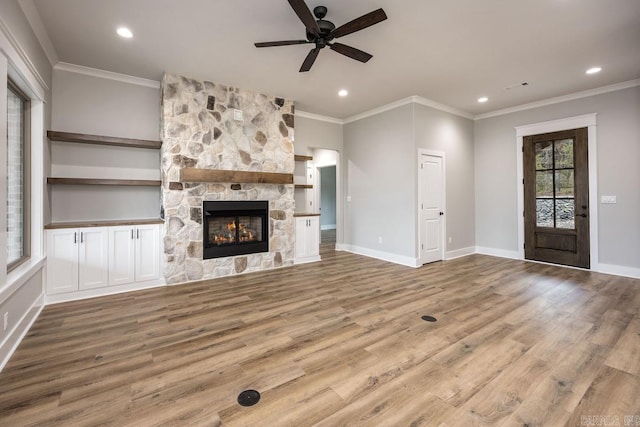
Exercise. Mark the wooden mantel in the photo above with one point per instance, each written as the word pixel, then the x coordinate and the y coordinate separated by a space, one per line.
pixel 218 175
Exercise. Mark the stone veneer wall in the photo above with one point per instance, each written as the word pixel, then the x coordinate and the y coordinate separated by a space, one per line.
pixel 193 136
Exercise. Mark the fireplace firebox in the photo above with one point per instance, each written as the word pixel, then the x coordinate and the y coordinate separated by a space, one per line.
pixel 234 228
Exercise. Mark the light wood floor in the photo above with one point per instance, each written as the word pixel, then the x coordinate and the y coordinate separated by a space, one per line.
pixel 340 342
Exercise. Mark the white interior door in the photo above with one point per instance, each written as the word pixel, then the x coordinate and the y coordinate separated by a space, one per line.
pixel 431 208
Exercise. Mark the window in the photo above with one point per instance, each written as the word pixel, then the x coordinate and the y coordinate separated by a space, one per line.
pixel 18 186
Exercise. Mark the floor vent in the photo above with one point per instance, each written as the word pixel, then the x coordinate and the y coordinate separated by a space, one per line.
pixel 248 398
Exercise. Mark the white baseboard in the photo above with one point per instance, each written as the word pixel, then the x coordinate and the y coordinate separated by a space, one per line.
pixel 618 270
pixel 306 260
pixel 459 253
pixel 10 344
pixel 502 253
pixel 384 256
pixel 99 292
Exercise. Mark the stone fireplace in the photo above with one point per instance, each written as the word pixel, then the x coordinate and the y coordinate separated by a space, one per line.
pixel 234 228
pixel 208 126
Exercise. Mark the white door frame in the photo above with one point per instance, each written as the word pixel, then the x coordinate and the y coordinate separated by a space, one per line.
pixel 588 121
pixel 443 223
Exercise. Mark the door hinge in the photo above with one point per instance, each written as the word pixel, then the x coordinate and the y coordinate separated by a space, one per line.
pixel 523 215
pixel 421 165
pixel 422 246
pixel 522 181
pixel 524 246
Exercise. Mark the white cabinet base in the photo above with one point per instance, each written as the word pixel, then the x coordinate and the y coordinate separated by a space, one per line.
pixel 307 239
pixel 95 261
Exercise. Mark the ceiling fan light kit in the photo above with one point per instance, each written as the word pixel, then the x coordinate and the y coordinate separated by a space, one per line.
pixel 322 33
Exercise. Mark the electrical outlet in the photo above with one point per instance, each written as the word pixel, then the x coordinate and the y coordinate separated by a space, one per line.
pixel 6 320
pixel 608 199
pixel 380 239
pixel 449 239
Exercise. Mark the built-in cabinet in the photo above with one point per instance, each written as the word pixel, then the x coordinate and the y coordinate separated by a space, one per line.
pixel 77 259
pixel 133 254
pixel 307 239
pixel 86 258
pixel 307 221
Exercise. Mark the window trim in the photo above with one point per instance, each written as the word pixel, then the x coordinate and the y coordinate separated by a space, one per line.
pixel 26 178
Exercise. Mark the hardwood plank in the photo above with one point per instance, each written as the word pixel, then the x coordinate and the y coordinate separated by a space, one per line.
pixel 301 158
pixel 117 182
pixel 219 175
pixel 102 223
pixel 625 355
pixel 339 342
pixel 103 140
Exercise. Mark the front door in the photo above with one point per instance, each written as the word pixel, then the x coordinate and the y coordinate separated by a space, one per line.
pixel 556 197
pixel 431 208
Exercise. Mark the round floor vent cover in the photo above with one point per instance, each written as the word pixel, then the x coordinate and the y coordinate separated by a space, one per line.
pixel 429 319
pixel 248 398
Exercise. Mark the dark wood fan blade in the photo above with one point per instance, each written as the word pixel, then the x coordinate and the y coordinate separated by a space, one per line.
pixel 351 52
pixel 309 60
pixel 281 43
pixel 358 24
pixel 302 10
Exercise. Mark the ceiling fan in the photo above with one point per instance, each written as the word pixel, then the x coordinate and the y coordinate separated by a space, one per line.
pixel 322 32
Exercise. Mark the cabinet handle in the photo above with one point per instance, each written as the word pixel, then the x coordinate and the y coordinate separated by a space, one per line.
pixel 75 237
pixel 132 234
pixel 138 233
pixel 81 237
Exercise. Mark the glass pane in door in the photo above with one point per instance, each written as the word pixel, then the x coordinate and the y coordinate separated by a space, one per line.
pixel 565 213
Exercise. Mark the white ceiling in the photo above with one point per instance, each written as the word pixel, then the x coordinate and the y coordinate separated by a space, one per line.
pixel 449 51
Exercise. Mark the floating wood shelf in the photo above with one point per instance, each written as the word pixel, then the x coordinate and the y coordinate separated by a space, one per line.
pixel 304 186
pixel 301 158
pixel 299 214
pixel 217 175
pixel 103 140
pixel 120 182
pixel 103 223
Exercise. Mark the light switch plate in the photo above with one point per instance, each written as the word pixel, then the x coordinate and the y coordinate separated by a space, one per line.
pixel 237 115
pixel 608 199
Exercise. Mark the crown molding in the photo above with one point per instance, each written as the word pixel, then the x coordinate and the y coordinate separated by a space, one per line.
pixel 410 100
pixel 378 110
pixel 110 75
pixel 559 99
pixel 319 117
pixel 18 57
pixel 442 107
pixel 35 21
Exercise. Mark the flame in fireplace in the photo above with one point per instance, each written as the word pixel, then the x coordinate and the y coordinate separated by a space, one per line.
pixel 227 234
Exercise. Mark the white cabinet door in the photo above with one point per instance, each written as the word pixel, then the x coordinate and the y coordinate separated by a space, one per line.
pixel 307 239
pixel 147 252
pixel 301 237
pixel 313 236
pixel 121 255
pixel 62 261
pixel 93 261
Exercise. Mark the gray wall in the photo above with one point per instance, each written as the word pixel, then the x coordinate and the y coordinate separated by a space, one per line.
pixel 20 292
pixel 327 196
pixel 86 104
pixel 311 134
pixel 453 135
pixel 380 158
pixel 618 139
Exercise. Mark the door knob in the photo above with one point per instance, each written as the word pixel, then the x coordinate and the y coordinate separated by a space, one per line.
pixel 441 213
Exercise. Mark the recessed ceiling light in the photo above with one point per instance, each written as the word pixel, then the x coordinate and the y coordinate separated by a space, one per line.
pixel 594 70
pixel 124 32
pixel 483 99
pixel 343 93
